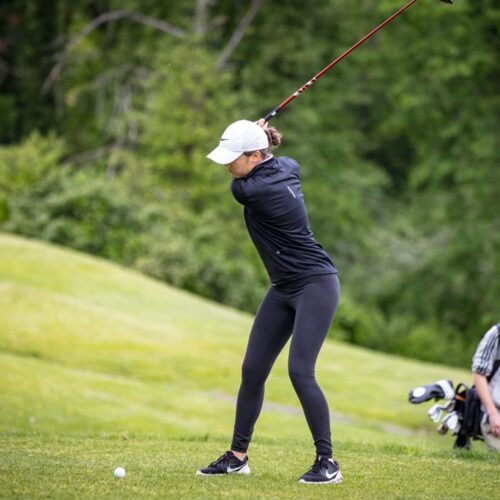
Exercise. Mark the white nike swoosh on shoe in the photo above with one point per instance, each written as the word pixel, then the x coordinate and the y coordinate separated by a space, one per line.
pixel 335 480
pixel 236 469
pixel 332 475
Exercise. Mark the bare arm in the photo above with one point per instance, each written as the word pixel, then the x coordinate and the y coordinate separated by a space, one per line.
pixel 484 393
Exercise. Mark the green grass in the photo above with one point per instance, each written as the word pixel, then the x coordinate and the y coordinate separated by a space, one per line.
pixel 82 467
pixel 102 367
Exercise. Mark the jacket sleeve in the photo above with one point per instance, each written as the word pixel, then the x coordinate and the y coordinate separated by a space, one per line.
pixel 245 192
pixel 238 191
pixel 484 357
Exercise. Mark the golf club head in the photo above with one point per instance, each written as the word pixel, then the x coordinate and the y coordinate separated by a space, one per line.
pixel 452 422
pixel 447 1
pixel 435 412
pixel 442 429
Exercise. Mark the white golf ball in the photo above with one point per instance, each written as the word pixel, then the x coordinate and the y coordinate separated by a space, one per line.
pixel 119 472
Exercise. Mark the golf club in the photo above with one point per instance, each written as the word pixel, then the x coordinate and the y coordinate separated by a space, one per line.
pixel 289 99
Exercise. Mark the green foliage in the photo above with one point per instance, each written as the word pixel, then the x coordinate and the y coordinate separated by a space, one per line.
pixel 80 211
pixel 452 183
pixel 429 342
pixel 191 253
pixel 27 29
pixel 26 164
pixel 359 325
pixel 23 166
pixel 8 118
pixel 187 106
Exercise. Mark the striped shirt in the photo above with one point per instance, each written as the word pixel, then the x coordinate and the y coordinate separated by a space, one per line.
pixel 487 357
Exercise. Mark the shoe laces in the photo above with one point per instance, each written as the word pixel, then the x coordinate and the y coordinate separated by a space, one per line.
pixel 222 459
pixel 320 463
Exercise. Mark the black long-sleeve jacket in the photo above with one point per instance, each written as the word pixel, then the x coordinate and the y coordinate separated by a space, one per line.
pixel 276 218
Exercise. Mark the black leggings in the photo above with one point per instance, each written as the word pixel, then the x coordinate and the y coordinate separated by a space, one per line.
pixel 304 312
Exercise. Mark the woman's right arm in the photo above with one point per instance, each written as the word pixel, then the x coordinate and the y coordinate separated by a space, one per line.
pixel 483 390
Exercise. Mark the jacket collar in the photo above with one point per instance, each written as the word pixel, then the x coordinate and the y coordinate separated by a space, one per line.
pixel 262 168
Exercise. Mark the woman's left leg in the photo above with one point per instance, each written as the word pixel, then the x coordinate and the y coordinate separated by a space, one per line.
pixel 315 306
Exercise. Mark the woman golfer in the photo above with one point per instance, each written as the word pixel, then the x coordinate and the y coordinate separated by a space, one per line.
pixel 300 303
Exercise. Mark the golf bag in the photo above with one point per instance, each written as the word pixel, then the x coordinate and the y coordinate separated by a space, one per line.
pixel 461 415
pixel 468 407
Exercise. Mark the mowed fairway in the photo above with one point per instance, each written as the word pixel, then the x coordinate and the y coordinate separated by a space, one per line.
pixel 103 367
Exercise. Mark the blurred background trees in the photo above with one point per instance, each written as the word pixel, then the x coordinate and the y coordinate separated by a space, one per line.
pixel 107 110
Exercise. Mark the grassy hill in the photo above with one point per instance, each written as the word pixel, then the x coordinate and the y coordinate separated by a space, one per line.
pixel 102 366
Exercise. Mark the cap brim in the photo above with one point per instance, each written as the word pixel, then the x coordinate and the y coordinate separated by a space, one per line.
pixel 223 156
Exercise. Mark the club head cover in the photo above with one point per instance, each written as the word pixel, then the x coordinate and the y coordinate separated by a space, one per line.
pixel 442 389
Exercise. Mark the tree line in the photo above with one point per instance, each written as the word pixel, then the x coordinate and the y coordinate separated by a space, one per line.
pixel 107 110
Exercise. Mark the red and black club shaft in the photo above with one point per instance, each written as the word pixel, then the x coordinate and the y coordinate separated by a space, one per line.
pixel 289 99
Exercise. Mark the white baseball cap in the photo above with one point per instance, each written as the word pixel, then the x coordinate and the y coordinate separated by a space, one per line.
pixel 240 137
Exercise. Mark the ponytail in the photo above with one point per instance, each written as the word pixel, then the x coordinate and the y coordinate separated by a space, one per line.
pixel 274 138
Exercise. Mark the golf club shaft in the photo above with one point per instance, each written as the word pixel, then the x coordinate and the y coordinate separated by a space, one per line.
pixel 289 99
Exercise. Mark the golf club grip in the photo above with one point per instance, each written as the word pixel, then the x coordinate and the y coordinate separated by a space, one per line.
pixel 290 98
pixel 272 114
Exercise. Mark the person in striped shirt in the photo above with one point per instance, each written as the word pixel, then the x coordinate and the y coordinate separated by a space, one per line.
pixel 486 370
